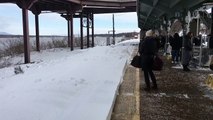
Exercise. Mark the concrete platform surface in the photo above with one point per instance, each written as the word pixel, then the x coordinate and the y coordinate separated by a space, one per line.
pixel 127 104
pixel 181 95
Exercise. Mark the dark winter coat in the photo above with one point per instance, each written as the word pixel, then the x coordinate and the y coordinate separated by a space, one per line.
pixel 187 43
pixel 176 43
pixel 148 46
pixel 147 49
pixel 187 51
pixel 162 41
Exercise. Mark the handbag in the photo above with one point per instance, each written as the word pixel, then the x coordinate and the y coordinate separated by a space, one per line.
pixel 136 61
pixel 157 63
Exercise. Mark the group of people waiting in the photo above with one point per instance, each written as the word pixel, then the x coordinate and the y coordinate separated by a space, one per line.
pixel 149 47
pixel 176 43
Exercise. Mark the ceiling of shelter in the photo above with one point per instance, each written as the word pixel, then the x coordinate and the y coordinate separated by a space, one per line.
pixel 37 6
pixel 62 6
pixel 152 12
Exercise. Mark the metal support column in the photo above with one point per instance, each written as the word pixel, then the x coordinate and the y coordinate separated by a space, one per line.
pixel 81 29
pixel 198 26
pixel 26 35
pixel 92 30
pixel 197 34
pixel 212 22
pixel 71 30
pixel 88 26
pixel 37 32
pixel 165 26
pixel 184 32
pixel 113 29
pixel 210 42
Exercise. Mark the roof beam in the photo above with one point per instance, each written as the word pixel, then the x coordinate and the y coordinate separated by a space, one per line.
pixel 75 1
pixel 150 17
pixel 143 14
pixel 195 2
pixel 8 1
pixel 154 4
pixel 185 5
pixel 99 3
pixel 133 3
pixel 31 2
pixel 173 3
pixel 109 3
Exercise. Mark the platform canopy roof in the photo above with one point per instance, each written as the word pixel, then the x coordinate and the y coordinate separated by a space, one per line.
pixel 151 12
pixel 62 6
pixel 109 6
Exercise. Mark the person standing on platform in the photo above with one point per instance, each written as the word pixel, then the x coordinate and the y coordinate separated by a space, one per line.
pixel 187 51
pixel 176 44
pixel 148 49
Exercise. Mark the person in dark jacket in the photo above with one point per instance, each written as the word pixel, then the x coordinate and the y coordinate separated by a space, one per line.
pixel 176 44
pixel 187 51
pixel 148 48
pixel 162 42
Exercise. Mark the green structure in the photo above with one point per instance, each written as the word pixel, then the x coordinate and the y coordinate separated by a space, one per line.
pixel 153 13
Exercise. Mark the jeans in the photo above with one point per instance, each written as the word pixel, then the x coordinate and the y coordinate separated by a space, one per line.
pixel 175 55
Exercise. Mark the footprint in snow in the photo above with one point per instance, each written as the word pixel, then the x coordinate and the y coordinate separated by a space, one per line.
pixel 38 80
pixel 78 82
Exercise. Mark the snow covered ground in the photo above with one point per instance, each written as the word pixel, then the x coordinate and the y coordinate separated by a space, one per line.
pixel 6 41
pixel 63 84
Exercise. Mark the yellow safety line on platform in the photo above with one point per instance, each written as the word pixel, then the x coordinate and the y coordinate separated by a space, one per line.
pixel 137 96
pixel 209 80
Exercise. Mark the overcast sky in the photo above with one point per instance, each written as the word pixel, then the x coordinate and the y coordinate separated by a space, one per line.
pixel 53 24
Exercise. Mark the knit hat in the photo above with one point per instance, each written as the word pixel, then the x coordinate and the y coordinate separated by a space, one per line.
pixel 149 33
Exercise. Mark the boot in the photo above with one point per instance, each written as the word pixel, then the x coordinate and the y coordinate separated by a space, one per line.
pixel 155 87
pixel 147 89
pixel 185 68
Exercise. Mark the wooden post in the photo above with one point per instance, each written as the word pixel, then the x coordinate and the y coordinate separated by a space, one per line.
pixel 37 32
pixel 25 5
pixel 92 30
pixel 88 30
pixel 69 33
pixel 26 34
pixel 81 29
pixel 71 30
pixel 69 18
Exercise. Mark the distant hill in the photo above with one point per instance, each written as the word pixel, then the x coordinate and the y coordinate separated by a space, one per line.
pixel 4 33
pixel 127 34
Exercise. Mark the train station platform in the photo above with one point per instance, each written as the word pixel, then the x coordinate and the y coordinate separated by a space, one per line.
pixel 181 95
pixel 127 104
